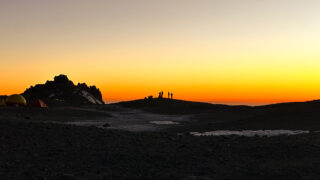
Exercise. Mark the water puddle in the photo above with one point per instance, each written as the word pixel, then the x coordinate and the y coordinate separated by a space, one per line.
pixel 163 122
pixel 251 133
pixel 87 123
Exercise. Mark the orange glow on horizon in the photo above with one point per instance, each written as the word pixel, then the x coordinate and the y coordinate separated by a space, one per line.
pixel 234 95
pixel 234 52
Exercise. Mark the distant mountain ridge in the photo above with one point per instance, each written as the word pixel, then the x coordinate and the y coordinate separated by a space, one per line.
pixel 62 91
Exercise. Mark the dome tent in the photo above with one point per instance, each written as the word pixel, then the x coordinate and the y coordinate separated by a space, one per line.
pixel 38 103
pixel 16 100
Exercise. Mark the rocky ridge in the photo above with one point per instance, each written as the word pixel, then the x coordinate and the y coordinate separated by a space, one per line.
pixel 62 91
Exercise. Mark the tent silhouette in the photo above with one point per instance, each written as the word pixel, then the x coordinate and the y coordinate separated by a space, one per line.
pixel 2 102
pixel 38 103
pixel 16 100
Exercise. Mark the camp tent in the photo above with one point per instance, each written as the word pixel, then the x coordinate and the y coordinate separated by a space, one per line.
pixel 16 100
pixel 2 102
pixel 38 103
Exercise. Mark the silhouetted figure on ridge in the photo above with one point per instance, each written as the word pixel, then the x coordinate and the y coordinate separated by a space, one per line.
pixel 171 95
pixel 160 95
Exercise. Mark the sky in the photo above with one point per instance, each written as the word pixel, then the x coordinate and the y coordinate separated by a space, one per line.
pixel 219 51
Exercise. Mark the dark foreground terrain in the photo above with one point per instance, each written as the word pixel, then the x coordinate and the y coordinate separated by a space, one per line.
pixel 52 151
pixel 39 143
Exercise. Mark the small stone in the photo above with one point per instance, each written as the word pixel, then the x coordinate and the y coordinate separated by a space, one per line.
pixel 197 178
pixel 106 125
pixel 39 178
pixel 67 177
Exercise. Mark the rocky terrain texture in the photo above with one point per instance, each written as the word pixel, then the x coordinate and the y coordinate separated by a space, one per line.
pixel 39 151
pixel 62 92
pixel 118 141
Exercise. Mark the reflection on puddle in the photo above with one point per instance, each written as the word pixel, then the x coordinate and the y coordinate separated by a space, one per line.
pixel 250 133
pixel 86 123
pixel 163 122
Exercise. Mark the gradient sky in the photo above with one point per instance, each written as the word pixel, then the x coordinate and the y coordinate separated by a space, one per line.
pixel 221 51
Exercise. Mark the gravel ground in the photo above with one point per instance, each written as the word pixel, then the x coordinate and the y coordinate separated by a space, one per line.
pixel 39 144
pixel 55 151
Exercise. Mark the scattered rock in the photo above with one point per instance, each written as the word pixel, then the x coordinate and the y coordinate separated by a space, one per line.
pixel 197 178
pixel 106 125
pixel 67 177
pixel 39 178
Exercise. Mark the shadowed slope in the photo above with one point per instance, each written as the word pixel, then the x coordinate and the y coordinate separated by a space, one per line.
pixel 174 106
pixel 206 116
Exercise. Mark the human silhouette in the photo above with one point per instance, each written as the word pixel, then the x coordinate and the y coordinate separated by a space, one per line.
pixel 160 94
pixel 171 95
pixel 168 95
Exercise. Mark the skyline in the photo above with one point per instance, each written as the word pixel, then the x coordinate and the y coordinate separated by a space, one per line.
pixel 229 52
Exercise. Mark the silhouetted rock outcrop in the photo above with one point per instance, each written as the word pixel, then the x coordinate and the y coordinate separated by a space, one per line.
pixel 62 91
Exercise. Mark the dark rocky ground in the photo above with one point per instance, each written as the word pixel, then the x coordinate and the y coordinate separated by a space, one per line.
pixel 32 147
pixel 52 151
pixel 300 115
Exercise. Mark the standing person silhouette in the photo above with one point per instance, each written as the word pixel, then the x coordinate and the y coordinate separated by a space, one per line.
pixel 161 95
pixel 171 95
pixel 168 95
